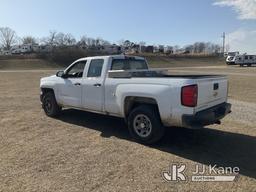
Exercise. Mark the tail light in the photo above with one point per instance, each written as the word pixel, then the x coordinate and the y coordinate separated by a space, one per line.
pixel 189 95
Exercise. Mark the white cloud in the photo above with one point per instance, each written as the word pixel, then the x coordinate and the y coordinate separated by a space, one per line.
pixel 246 9
pixel 243 41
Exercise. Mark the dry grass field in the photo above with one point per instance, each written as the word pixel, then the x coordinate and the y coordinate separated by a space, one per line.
pixel 24 64
pixel 80 151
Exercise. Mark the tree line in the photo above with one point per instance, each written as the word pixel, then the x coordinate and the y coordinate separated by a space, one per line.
pixel 9 38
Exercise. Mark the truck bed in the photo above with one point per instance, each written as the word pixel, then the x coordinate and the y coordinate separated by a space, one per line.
pixel 154 73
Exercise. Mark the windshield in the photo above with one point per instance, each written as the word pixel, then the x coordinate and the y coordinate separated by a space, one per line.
pixel 128 64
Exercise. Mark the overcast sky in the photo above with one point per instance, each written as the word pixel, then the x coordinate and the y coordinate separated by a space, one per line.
pixel 154 21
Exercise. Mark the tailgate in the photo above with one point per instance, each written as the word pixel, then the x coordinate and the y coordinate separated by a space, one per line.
pixel 211 92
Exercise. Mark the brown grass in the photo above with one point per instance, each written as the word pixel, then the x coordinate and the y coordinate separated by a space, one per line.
pixel 156 61
pixel 24 64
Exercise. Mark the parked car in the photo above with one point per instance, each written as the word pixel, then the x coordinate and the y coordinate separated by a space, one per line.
pixel 148 100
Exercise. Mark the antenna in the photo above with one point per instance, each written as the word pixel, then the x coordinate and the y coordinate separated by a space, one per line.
pixel 223 45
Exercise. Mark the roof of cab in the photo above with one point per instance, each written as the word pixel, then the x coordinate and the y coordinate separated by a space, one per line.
pixel 113 56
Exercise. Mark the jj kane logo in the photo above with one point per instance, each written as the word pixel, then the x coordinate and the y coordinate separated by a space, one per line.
pixel 177 172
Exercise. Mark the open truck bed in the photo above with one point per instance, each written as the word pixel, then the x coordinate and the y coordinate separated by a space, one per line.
pixel 154 73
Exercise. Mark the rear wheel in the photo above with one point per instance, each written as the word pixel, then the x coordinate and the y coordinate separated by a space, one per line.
pixel 145 125
pixel 50 106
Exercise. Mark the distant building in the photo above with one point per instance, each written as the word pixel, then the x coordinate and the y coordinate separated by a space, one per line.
pixel 168 50
pixel 35 48
pixel 45 48
pixel 142 49
pixel 156 49
pixel 111 49
pixel 22 49
pixel 180 51
pixel 161 49
pixel 149 49
pixel 135 49
pixel 6 52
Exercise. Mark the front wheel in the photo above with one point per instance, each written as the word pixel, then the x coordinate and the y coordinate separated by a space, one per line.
pixel 50 106
pixel 144 124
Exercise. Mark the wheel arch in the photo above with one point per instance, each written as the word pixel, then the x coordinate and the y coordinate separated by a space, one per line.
pixel 131 102
pixel 46 90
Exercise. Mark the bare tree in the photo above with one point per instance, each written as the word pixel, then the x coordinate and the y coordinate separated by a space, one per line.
pixel 176 48
pixel 127 44
pixel 189 49
pixel 199 47
pixel 120 42
pixel 101 42
pixel 60 39
pixel 51 39
pixel 82 42
pixel 28 40
pixel 7 37
pixel 69 39
pixel 142 43
pixel 202 47
pixel 91 42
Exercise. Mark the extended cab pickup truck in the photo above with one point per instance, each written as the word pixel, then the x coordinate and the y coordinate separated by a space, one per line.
pixel 148 100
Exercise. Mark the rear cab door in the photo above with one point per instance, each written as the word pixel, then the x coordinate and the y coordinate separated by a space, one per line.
pixel 93 84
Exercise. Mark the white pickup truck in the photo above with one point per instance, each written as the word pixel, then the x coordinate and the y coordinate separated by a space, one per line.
pixel 148 100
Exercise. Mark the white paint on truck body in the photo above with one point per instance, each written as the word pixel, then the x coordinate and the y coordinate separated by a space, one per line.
pixel 110 94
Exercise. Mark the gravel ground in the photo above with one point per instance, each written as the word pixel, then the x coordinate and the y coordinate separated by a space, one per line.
pixel 81 151
pixel 243 112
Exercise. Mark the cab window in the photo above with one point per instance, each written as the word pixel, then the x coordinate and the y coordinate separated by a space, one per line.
pixel 95 68
pixel 128 64
pixel 76 70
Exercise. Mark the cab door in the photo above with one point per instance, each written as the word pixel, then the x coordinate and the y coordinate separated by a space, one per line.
pixel 93 86
pixel 70 87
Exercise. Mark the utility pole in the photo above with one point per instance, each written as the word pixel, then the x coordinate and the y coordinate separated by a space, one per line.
pixel 223 45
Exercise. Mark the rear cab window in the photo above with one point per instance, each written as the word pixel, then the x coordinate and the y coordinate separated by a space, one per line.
pixel 128 64
pixel 95 68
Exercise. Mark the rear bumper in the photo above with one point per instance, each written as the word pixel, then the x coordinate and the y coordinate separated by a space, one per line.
pixel 206 117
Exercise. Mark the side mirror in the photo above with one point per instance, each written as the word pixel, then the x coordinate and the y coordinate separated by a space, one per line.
pixel 60 74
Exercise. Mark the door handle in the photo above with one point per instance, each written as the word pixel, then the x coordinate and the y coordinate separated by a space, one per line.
pixel 77 84
pixel 97 85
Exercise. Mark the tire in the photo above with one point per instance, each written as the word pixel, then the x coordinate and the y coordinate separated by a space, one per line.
pixel 144 124
pixel 50 106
